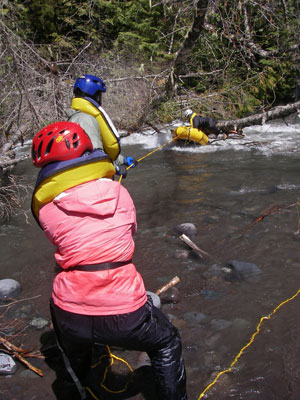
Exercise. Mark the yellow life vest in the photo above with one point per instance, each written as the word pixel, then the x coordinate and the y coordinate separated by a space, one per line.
pixel 57 177
pixel 109 134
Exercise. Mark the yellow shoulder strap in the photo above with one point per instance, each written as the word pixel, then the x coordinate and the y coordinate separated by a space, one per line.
pixel 192 117
pixel 108 132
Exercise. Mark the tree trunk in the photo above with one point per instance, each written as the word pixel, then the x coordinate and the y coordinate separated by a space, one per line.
pixel 261 118
pixel 184 53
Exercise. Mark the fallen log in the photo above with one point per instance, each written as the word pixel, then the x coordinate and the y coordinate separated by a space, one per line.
pixel 17 136
pixel 261 118
pixel 9 163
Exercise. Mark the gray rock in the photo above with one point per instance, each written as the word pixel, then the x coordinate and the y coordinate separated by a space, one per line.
pixel 186 228
pixel 236 271
pixel 39 323
pixel 171 296
pixel 7 364
pixel 155 298
pixel 9 288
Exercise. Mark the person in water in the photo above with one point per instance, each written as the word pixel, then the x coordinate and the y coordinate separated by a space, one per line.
pixel 207 125
pixel 98 296
pixel 86 110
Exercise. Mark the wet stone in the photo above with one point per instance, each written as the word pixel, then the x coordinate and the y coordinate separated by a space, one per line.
pixel 7 364
pixel 186 229
pixel 210 294
pixel 195 318
pixel 212 271
pixel 9 288
pixel 182 254
pixel 171 296
pixel 236 271
pixel 20 311
pixel 219 324
pixel 39 323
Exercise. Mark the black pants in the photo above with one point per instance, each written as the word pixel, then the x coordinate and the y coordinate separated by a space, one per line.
pixel 147 330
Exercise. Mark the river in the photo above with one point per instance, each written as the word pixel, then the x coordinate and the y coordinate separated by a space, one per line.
pixel 222 189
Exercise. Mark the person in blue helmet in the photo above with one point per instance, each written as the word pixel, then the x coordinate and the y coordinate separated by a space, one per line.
pixel 87 111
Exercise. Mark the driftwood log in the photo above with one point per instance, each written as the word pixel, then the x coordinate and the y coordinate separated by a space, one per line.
pixel 20 354
pixel 168 285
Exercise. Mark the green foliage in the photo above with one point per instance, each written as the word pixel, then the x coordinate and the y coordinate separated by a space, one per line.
pixel 244 51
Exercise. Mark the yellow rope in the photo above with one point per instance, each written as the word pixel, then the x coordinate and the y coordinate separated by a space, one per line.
pixel 151 152
pixel 112 358
pixel 248 344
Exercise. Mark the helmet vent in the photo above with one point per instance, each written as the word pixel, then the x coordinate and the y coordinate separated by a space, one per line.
pixel 39 152
pixel 67 143
pixel 49 145
pixel 49 133
pixel 75 139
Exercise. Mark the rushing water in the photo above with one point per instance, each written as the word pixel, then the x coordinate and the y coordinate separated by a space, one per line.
pixel 221 188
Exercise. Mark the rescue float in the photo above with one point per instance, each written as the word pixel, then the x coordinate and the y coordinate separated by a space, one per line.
pixel 188 134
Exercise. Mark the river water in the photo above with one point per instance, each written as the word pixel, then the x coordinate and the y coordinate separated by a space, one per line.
pixel 222 189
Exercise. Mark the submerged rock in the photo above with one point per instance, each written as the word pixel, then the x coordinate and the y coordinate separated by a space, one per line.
pixel 9 288
pixel 219 324
pixel 171 296
pixel 195 317
pixel 236 271
pixel 210 294
pixel 186 229
pixel 182 254
pixel 213 271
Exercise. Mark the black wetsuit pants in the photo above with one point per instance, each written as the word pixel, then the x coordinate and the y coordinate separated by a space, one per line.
pixel 147 330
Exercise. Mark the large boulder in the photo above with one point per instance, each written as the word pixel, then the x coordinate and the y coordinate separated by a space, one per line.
pixel 9 288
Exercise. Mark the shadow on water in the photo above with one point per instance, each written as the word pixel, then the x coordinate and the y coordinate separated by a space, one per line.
pixel 119 383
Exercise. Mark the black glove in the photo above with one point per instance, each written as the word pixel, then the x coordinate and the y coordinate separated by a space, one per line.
pixel 121 170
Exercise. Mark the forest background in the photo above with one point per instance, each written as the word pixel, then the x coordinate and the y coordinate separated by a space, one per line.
pixel 222 58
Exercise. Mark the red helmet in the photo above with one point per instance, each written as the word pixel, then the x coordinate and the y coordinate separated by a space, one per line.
pixel 60 141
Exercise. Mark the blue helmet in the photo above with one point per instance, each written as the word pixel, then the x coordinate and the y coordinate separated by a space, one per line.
pixel 89 85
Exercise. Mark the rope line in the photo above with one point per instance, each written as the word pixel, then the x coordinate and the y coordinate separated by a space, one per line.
pixel 112 357
pixel 248 344
pixel 151 152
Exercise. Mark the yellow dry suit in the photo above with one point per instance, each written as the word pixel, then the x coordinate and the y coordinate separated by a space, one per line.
pixel 109 134
pixel 190 134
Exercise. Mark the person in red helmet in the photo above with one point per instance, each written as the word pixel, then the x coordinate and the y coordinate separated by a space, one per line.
pixel 98 296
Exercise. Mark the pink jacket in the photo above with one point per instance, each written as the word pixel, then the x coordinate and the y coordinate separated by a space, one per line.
pixel 90 224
